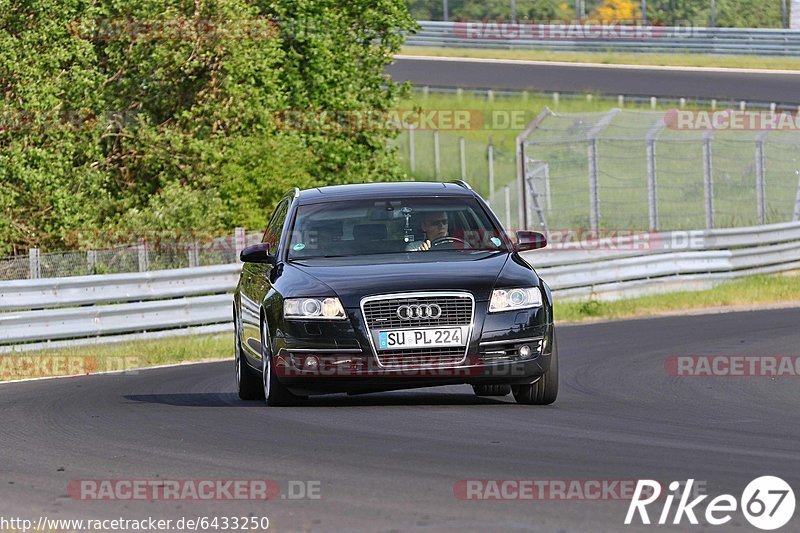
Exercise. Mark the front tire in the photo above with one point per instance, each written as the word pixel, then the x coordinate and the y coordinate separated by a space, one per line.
pixel 545 390
pixel 272 390
pixel 247 381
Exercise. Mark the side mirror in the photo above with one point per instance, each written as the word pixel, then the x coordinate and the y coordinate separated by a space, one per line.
pixel 258 253
pixel 530 240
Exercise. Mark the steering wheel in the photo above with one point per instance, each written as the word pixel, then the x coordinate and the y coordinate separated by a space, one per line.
pixel 448 239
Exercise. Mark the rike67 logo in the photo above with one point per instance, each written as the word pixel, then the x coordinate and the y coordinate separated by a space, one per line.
pixel 767 502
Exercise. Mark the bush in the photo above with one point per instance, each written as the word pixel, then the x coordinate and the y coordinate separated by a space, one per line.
pixel 176 132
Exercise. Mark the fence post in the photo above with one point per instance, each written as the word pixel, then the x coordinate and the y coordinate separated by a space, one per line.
pixel 761 188
pixel 462 148
pixel 652 190
pixel 519 147
pixel 708 180
pixel 796 214
pixel 239 242
pixel 91 261
pixel 34 263
pixel 411 158
pixel 141 247
pixel 594 190
pixel 491 168
pixel 436 162
pixel 652 199
pixel 548 196
pixel 594 183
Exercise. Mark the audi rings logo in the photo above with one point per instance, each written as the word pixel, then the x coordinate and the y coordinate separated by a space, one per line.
pixel 408 312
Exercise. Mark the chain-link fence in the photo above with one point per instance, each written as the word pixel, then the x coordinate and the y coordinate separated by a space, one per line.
pixel 662 170
pixel 628 169
pixel 143 256
pixel 490 168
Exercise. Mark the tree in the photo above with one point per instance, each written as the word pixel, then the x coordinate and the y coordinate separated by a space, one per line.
pixel 112 118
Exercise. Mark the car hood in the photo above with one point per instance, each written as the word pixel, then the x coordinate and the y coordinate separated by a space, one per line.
pixel 355 278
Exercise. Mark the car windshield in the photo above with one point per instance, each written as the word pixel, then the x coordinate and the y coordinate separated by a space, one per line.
pixel 391 226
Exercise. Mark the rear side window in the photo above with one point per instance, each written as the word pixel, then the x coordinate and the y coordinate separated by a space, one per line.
pixel 275 226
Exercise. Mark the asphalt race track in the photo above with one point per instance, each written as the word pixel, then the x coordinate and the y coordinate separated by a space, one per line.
pixel 755 86
pixel 388 462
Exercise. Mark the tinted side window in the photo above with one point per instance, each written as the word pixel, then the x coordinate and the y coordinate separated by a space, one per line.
pixel 275 226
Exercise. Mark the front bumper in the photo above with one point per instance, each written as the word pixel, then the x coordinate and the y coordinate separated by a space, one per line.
pixel 339 357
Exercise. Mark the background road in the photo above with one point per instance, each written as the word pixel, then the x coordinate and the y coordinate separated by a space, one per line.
pixel 389 461
pixel 781 88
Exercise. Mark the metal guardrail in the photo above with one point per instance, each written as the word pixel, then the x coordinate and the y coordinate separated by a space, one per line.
pixel 92 308
pixel 94 321
pixel 117 288
pixel 663 39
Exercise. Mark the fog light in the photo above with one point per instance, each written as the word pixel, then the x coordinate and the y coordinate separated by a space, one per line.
pixel 524 351
pixel 312 363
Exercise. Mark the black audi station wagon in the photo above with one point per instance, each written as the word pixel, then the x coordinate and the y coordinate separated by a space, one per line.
pixel 386 286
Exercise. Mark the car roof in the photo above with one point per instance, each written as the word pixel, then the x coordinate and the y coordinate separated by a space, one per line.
pixel 381 189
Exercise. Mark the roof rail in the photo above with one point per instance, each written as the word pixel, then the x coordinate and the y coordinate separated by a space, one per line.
pixel 294 192
pixel 462 183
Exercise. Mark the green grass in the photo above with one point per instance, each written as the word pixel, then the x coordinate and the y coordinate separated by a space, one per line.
pixel 743 293
pixel 115 356
pixel 678 60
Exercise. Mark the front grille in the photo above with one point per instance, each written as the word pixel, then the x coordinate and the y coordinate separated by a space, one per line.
pixel 380 313
pixel 456 311
pixel 421 357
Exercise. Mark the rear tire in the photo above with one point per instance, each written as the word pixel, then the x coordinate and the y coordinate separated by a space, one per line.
pixel 492 390
pixel 272 390
pixel 545 390
pixel 247 381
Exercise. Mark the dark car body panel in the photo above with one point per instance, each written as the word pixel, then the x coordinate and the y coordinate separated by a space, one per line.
pixel 436 271
pixel 263 287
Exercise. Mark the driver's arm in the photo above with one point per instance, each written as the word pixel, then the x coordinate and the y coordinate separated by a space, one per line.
pixel 426 245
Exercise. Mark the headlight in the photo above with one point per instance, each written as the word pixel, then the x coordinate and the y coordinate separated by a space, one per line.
pixel 510 299
pixel 323 308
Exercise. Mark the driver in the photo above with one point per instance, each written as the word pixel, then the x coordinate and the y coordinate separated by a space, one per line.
pixel 435 225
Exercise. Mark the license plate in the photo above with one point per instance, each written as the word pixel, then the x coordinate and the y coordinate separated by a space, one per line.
pixel 400 339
